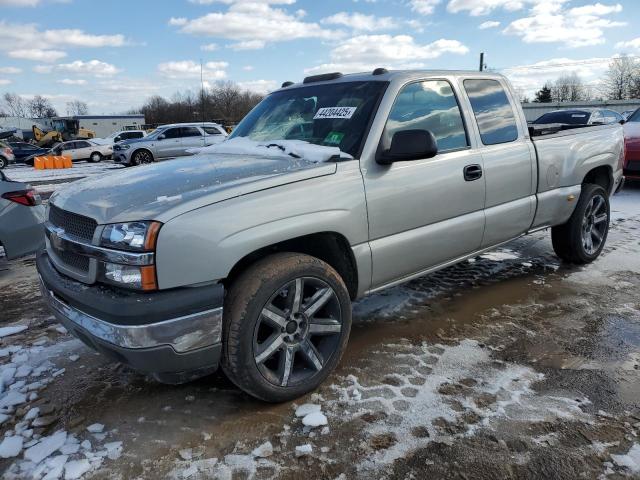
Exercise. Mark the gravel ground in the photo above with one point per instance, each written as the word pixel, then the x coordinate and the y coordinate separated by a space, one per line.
pixel 512 365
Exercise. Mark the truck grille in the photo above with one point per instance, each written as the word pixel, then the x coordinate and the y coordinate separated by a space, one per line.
pixel 72 223
pixel 77 226
pixel 74 261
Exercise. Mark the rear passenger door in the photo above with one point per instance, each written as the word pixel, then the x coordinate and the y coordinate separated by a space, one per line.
pixel 423 213
pixel 509 161
pixel 82 150
pixel 191 137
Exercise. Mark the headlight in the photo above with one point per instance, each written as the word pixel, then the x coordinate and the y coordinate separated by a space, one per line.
pixel 139 278
pixel 135 236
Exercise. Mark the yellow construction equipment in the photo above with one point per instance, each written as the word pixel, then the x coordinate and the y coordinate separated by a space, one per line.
pixel 46 139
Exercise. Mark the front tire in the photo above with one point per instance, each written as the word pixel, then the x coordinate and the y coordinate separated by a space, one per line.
pixel 141 157
pixel 3 163
pixel 287 321
pixel 583 237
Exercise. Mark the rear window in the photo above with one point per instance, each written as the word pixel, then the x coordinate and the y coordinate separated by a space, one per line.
pixel 566 118
pixel 493 111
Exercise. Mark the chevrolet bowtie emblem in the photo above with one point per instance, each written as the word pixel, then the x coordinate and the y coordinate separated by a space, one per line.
pixel 55 237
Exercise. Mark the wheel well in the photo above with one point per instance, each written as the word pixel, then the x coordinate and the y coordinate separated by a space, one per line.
pixel 92 153
pixel 140 149
pixel 330 247
pixel 600 176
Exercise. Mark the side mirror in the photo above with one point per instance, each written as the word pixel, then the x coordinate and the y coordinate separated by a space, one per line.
pixel 623 121
pixel 409 145
pixel 117 139
pixel 161 136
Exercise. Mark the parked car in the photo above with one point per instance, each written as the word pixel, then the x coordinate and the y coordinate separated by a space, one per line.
pixel 83 150
pixel 249 256
pixel 119 136
pixel 583 116
pixel 168 141
pixel 632 146
pixel 21 218
pixel 23 150
pixel 6 155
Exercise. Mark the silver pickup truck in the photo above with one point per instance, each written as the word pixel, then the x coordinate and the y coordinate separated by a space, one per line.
pixel 249 254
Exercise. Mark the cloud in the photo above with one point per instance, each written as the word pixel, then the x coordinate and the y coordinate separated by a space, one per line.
pixel 530 78
pixel 248 45
pixel 259 86
pixel 191 69
pixel 252 24
pixel 70 81
pixel 19 3
pixel 37 55
pixel 424 7
pixel 360 22
pixel 209 47
pixel 364 52
pixel 489 24
pixel 4 81
pixel 576 27
pixel 485 7
pixel 629 44
pixel 26 41
pixel 10 70
pixel 95 68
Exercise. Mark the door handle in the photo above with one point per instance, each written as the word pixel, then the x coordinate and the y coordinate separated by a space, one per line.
pixel 472 172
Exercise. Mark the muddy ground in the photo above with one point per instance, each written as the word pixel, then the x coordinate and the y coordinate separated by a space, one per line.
pixel 512 365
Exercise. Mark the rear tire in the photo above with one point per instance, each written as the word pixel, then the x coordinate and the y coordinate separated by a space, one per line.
pixel 95 157
pixel 286 325
pixel 3 163
pixel 583 237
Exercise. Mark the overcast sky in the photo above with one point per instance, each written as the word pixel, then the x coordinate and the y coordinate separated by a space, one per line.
pixel 113 54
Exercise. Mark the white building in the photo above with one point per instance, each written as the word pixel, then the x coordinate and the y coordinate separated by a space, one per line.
pixel 105 125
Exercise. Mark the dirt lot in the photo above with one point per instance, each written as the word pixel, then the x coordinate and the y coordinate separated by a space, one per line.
pixel 508 366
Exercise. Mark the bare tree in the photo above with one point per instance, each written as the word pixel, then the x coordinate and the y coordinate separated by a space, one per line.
pixel 40 107
pixel 225 102
pixel 15 105
pixel 620 79
pixel 77 107
pixel 569 88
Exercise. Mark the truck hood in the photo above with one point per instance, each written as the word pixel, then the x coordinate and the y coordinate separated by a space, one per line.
pixel 162 191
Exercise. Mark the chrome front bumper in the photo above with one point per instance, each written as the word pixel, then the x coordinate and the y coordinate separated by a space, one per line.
pixel 183 334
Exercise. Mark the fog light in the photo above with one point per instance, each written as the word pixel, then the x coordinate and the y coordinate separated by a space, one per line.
pixel 140 278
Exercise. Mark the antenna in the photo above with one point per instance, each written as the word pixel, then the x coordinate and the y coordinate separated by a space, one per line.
pixel 482 65
pixel 204 142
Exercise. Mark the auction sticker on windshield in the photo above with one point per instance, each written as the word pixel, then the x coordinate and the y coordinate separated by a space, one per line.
pixel 335 112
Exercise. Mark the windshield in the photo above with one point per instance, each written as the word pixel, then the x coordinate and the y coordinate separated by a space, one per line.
pixel 332 115
pixel 634 117
pixel 568 118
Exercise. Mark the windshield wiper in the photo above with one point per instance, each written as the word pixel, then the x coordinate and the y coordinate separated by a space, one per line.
pixel 282 147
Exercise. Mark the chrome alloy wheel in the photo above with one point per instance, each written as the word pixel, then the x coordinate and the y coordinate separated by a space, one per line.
pixel 297 332
pixel 594 224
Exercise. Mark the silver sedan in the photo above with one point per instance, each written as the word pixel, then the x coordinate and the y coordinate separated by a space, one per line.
pixel 21 218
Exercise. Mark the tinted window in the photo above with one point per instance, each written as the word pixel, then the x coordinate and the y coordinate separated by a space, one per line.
pixel 69 146
pixel 171 133
pixel 432 106
pixel 612 117
pixel 569 117
pixel 82 144
pixel 634 117
pixel 190 132
pixel 493 112
pixel 133 135
pixel 211 131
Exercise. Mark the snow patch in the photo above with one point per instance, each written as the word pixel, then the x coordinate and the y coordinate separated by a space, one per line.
pixel 631 460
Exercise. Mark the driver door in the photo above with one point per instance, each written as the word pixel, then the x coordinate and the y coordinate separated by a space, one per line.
pixel 424 213
pixel 171 144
